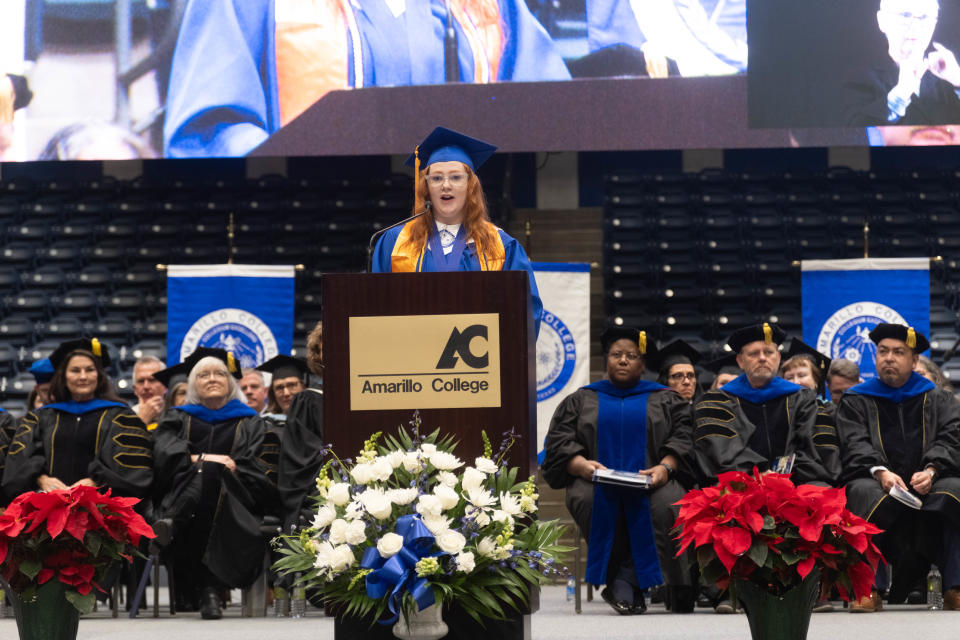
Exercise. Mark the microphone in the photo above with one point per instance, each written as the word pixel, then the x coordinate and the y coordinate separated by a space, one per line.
pixel 376 235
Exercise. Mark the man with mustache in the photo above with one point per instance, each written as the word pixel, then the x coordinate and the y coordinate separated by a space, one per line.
pixel 899 433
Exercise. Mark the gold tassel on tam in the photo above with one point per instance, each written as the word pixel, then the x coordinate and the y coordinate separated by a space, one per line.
pixel 231 363
pixel 911 338
pixel 767 333
pixel 95 347
pixel 642 343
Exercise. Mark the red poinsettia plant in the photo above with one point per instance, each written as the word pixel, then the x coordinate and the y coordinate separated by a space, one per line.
pixel 763 529
pixel 70 535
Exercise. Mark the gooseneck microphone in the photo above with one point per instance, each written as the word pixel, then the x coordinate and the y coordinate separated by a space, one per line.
pixel 376 235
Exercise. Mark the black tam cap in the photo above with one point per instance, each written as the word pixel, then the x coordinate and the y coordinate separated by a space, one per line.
pixel 185 367
pixel 914 339
pixel 677 352
pixel 613 333
pixel 282 366
pixel 724 364
pixel 172 375
pixel 769 333
pixel 91 345
pixel 800 348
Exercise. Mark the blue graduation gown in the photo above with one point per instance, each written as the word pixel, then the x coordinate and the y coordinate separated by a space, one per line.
pixel 515 260
pixel 223 98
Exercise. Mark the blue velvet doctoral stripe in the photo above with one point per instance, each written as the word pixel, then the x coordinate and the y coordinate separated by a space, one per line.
pixel 622 445
pixel 229 411
pixel 776 388
pixel 80 408
pixel 916 384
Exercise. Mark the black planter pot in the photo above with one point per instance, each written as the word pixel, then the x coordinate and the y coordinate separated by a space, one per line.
pixel 785 617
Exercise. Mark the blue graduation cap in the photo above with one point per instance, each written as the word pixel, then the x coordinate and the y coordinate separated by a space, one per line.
pixel 444 145
pixel 42 370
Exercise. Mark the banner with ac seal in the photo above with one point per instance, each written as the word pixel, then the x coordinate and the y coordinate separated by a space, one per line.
pixel 245 309
pixel 843 300
pixel 563 346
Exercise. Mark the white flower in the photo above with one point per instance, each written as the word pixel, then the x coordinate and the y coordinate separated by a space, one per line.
pixel 342 558
pixel 436 524
pixel 381 469
pixel 402 496
pixel 428 449
pixel 480 498
pixel 362 473
pixel 353 511
pixel 509 503
pixel 451 541
pixel 486 465
pixel 445 461
pixel 396 458
pixel 377 503
pixel 465 562
pixel 324 555
pixel 472 479
pixel 429 505
pixel 486 546
pixel 448 497
pixel 499 515
pixel 356 532
pixel 447 479
pixel 389 545
pixel 338 531
pixel 413 461
pixel 339 493
pixel 325 515
pixel 502 553
pixel 528 504
pixel 478 515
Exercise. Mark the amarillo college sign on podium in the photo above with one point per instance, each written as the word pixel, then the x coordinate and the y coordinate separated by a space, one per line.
pixel 458 347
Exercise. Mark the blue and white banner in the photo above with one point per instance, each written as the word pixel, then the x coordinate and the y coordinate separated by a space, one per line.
pixel 843 300
pixel 245 309
pixel 563 347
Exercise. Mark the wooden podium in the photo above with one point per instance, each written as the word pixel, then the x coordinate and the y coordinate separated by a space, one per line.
pixel 375 306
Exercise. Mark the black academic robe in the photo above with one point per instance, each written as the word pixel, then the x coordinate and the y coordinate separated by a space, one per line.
pixel 573 431
pixel 8 427
pixel 937 102
pixel 216 513
pixel 734 434
pixel 108 444
pixel 300 456
pixel 269 457
pixel 906 437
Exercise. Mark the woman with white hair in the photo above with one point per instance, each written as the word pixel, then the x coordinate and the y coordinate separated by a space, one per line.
pixel 211 484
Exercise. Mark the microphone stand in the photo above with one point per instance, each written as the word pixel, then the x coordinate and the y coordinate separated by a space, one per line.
pixel 451 59
pixel 376 236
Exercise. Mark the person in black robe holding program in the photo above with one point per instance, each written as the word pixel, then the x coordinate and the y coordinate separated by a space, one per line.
pixel 899 433
pixel 629 424
pixel 211 484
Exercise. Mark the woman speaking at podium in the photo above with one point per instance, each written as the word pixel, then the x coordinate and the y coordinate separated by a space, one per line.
pixel 454 232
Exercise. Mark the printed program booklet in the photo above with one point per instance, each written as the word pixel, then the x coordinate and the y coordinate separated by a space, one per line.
pixel 905 497
pixel 621 478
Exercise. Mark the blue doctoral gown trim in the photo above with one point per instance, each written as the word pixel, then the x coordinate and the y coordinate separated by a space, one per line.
pixel 80 408
pixel 915 385
pixel 776 388
pixel 515 259
pixel 229 411
pixel 622 445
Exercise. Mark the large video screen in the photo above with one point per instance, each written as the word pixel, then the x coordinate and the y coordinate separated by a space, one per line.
pixel 116 79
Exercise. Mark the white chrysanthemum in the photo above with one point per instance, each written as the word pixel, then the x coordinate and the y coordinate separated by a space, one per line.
pixel 429 505
pixel 402 496
pixel 486 465
pixel 486 546
pixel 342 558
pixel 448 497
pixel 477 515
pixel 509 503
pixel 436 524
pixel 353 511
pixel 451 541
pixel 362 473
pixel 339 493
pixel 447 479
pixel 396 458
pixel 338 531
pixel 466 562
pixel 389 545
pixel 413 461
pixel 356 532
pixel 324 555
pixel 325 515
pixel 381 469
pixel 472 479
pixel 528 504
pixel 499 515
pixel 480 498
pixel 377 503
pixel 445 461
pixel 428 449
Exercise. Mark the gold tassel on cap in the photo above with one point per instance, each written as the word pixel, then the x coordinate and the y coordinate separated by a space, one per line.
pixel 95 347
pixel 231 363
pixel 418 196
pixel 642 342
pixel 911 338
pixel 767 333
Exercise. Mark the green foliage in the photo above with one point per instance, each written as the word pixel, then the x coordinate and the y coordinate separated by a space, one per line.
pixel 83 604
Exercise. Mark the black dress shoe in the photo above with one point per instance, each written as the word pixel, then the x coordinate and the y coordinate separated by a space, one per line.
pixel 639 604
pixel 682 598
pixel 620 606
pixel 210 605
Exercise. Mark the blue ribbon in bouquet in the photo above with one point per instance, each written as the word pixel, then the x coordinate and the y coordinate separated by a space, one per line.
pixel 399 571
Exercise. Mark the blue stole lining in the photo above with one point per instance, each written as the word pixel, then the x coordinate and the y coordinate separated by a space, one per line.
pixel 916 384
pixel 622 445
pixel 776 388
pixel 229 411
pixel 80 408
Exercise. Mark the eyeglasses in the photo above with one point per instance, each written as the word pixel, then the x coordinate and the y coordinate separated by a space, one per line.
pixel 906 18
pixel 456 179
pixel 678 377
pixel 616 355
pixel 211 373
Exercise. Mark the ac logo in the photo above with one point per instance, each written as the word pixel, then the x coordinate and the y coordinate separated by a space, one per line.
pixel 459 345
